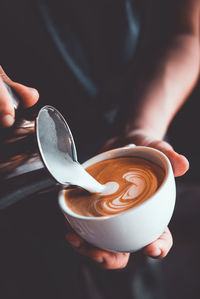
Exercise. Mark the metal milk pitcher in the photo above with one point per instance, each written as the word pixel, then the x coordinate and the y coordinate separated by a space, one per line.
pixel 22 171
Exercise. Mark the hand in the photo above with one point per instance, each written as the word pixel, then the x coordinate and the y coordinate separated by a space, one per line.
pixel 104 259
pixel 179 163
pixel 29 97
pixel 160 247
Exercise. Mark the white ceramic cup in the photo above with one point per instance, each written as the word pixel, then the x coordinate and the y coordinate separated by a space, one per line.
pixel 133 229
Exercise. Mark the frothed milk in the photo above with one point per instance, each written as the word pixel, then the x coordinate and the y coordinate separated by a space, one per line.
pixel 129 182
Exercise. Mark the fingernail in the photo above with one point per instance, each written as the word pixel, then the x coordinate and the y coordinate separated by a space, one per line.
pixel 99 260
pixel 157 252
pixel 7 120
pixel 74 243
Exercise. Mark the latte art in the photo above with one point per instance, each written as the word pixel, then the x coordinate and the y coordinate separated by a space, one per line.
pixel 129 181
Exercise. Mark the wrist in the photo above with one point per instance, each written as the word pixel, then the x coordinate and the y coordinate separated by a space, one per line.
pixel 150 118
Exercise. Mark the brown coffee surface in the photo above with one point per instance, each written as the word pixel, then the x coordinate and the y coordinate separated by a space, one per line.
pixel 130 181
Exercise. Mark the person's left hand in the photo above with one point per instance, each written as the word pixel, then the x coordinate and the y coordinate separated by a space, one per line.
pixel 158 248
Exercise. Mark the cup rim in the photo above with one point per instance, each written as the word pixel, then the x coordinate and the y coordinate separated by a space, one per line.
pixel 67 211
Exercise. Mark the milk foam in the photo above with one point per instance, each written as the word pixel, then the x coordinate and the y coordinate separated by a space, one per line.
pixel 128 181
pixel 110 188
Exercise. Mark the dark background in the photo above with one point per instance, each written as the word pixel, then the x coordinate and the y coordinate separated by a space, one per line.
pixel 181 266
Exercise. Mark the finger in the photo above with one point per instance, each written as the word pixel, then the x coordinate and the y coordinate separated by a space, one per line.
pixel 82 247
pixel 6 107
pixel 74 239
pixel 180 164
pixel 160 247
pixel 107 260
pixel 4 76
pixel 28 95
pixel 112 261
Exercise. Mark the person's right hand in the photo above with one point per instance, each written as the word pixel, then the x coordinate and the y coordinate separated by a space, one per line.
pixel 28 95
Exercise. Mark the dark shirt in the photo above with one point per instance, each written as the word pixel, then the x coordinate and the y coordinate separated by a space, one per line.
pixel 79 55
pixel 97 40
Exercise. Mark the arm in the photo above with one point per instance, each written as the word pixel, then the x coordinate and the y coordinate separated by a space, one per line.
pixel 166 72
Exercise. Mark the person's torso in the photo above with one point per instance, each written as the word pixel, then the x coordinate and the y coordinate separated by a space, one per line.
pixel 78 54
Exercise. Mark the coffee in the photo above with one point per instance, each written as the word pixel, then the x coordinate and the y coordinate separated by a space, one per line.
pixel 129 182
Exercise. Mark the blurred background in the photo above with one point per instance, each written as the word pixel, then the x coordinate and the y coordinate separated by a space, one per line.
pixel 181 266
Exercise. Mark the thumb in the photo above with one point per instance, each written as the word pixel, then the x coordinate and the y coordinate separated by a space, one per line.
pixel 28 96
pixel 180 164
